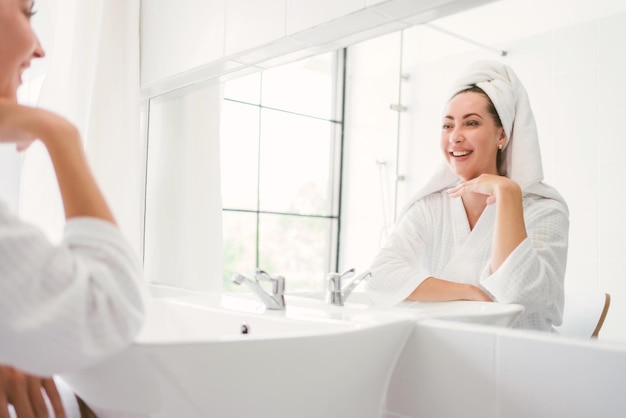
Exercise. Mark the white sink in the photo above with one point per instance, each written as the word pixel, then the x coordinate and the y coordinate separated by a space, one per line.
pixel 486 313
pixel 192 360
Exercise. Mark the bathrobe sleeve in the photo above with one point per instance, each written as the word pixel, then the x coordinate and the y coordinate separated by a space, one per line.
pixel 66 306
pixel 533 275
pixel 402 264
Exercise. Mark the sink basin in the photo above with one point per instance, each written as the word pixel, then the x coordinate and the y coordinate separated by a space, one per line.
pixel 486 313
pixel 192 359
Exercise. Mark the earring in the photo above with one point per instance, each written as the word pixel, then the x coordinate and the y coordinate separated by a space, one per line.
pixel 500 147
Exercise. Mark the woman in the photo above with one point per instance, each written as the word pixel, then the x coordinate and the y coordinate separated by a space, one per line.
pixel 485 227
pixel 67 306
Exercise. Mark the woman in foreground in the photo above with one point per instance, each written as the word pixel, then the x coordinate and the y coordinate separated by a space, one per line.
pixel 66 306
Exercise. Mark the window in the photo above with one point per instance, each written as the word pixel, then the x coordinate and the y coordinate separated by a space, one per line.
pixel 280 162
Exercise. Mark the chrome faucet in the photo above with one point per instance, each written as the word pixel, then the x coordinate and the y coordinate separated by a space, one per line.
pixel 337 292
pixel 275 300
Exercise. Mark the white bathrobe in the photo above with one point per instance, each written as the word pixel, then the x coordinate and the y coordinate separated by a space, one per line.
pixel 68 306
pixel 433 237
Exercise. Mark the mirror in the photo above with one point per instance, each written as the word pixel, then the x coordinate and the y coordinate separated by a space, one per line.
pixel 570 58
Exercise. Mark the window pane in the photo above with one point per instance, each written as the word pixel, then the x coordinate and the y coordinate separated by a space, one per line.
pixel 239 153
pixel 305 86
pixel 297 164
pixel 239 247
pixel 282 156
pixel 298 248
pixel 244 89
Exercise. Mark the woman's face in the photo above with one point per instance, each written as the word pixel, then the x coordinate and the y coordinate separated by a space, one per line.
pixel 470 137
pixel 18 45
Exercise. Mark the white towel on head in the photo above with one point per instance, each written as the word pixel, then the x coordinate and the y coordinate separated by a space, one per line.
pixel 521 156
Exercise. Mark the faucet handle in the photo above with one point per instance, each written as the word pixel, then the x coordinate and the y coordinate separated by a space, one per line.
pixel 335 279
pixel 334 282
pixel 261 275
pixel 278 282
pixel 347 273
pixel 335 285
pixel 337 290
pixel 278 285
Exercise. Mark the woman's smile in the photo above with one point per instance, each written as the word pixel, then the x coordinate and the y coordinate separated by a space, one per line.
pixel 459 154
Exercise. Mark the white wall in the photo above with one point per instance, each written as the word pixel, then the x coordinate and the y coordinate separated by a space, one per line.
pixel 574 77
pixel 189 40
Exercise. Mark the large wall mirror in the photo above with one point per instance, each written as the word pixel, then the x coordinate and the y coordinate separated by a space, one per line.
pixel 368 124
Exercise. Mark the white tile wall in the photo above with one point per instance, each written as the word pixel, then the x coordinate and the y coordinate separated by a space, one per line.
pixel 611 199
pixel 339 28
pixel 304 14
pixel 576 47
pixel 574 130
pixel 169 47
pixel 611 86
pixel 251 23
pixel 152 7
pixel 613 328
pixel 611 33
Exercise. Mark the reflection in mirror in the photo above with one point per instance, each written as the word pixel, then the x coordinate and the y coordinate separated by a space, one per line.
pixel 280 153
pixel 571 66
pixel 569 56
pixel 183 219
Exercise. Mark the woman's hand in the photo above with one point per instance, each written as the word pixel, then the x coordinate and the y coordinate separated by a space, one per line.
pixel 16 124
pixel 489 185
pixel 22 125
pixel 81 195
pixel 24 392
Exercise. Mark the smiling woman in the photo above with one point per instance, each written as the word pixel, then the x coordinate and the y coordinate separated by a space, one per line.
pixel 485 227
pixel 24 45
pixel 80 299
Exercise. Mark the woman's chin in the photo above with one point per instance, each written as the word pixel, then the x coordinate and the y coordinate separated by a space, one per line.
pixel 8 94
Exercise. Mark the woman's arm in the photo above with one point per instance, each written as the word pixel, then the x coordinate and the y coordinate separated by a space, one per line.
pixel 81 299
pixel 533 274
pixel 509 228
pixel 401 270
pixel 79 191
pixel 438 290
